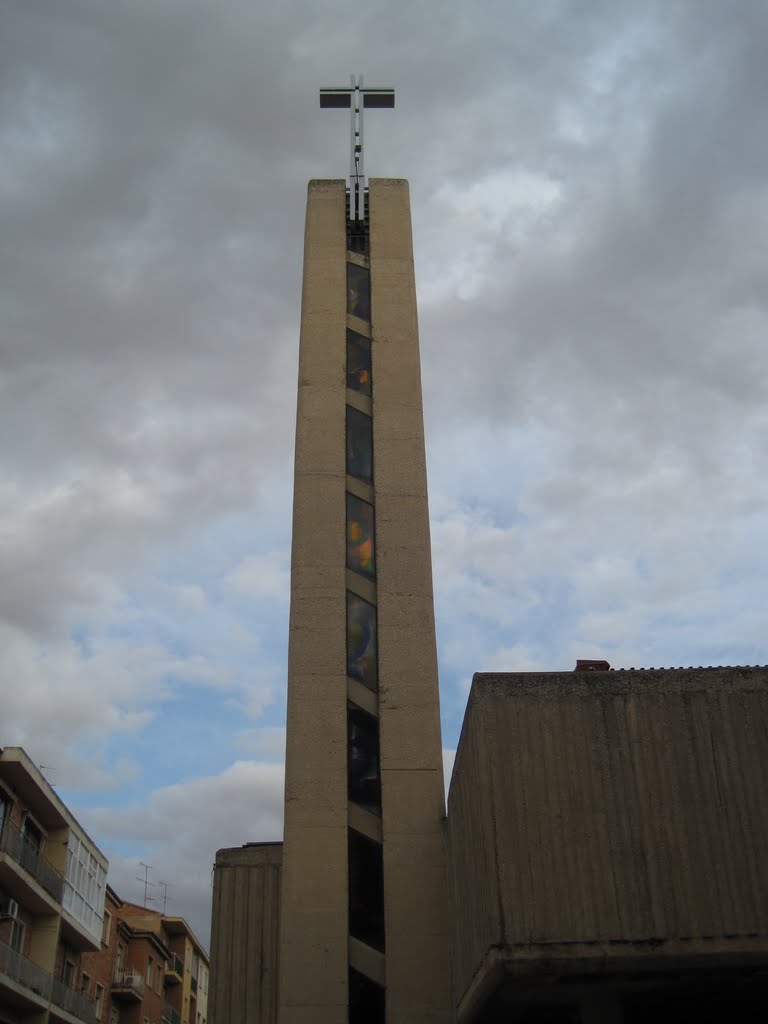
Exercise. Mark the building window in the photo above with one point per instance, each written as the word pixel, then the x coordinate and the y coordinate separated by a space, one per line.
pixel 358 291
pixel 17 937
pixel 114 1015
pixel 359 445
pixel 363 779
pixel 361 641
pixel 361 555
pixel 85 983
pixel 32 834
pixel 106 927
pixel 366 1000
pixel 5 809
pixel 84 885
pixel 99 1001
pixel 149 972
pixel 359 375
pixel 366 890
pixel 68 973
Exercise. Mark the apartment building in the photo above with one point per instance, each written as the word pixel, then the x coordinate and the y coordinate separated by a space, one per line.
pixel 189 997
pixel 52 891
pixel 150 969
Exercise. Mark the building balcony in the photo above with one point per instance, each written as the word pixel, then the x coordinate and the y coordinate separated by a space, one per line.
pixel 169 1015
pixel 174 971
pixel 128 986
pixel 21 854
pixel 77 1004
pixel 22 983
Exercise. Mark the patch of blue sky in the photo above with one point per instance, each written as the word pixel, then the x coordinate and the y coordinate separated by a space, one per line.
pixel 229 537
pixel 127 848
pixel 485 470
pixel 82 641
pixel 190 739
pixel 213 656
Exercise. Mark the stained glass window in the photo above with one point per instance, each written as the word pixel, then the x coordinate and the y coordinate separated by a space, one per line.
pixel 366 1000
pixel 359 445
pixel 366 890
pixel 363 781
pixel 361 556
pixel 361 641
pixel 358 291
pixel 358 363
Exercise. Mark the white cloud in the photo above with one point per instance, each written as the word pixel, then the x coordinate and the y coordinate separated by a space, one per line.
pixel 590 209
pixel 179 828
pixel 262 576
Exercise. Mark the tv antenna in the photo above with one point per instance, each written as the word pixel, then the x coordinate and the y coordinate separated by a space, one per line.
pixel 146 881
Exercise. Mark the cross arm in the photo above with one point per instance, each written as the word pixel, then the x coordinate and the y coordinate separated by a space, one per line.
pixel 335 97
pixel 378 97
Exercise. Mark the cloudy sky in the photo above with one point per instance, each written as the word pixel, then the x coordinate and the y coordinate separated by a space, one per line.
pixel 589 181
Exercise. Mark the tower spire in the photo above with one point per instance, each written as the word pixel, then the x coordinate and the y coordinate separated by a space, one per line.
pixel 357 98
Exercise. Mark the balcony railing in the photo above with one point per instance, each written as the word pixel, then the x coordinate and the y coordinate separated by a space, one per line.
pixel 15 843
pixel 128 984
pixel 171 1016
pixel 21 970
pixel 76 1003
pixel 174 967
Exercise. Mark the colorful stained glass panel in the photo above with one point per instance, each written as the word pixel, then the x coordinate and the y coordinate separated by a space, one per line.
pixel 361 555
pixel 358 363
pixel 359 445
pixel 358 291
pixel 363 780
pixel 361 641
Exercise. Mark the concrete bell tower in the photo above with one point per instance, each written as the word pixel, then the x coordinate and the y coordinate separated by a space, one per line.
pixel 364 915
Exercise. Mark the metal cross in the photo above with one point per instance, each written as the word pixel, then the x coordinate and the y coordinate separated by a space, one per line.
pixel 357 98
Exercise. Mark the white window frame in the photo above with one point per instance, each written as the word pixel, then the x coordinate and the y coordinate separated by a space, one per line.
pixel 19 929
pixel 106 928
pixel 71 972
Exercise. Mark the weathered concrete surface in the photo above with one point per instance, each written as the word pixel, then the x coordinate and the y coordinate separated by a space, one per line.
pixel 608 820
pixel 313 950
pixel 245 923
pixel 415 887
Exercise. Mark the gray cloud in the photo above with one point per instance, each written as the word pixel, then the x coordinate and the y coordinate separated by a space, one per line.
pixel 180 827
pixel 590 208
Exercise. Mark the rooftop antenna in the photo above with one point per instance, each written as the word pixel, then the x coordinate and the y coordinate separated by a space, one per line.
pixel 165 894
pixel 357 99
pixel 146 881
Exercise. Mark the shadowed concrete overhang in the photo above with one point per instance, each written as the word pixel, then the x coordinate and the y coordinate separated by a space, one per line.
pixel 607 825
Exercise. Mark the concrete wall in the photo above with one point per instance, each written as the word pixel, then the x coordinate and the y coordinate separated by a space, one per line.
pixel 315 950
pixel 608 815
pixel 313 960
pixel 415 888
pixel 244 935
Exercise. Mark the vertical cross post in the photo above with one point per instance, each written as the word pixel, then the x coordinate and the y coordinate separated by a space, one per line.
pixel 356 97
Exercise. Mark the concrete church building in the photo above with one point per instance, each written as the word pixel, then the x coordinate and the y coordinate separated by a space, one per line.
pixel 604 856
